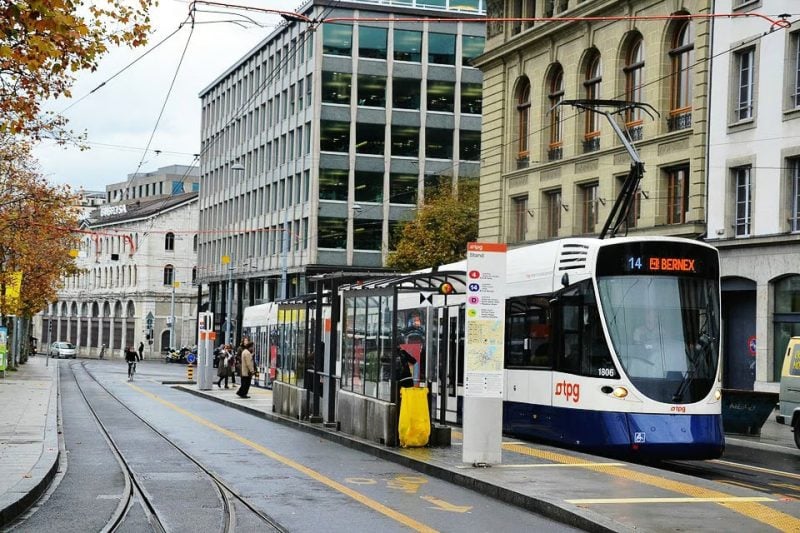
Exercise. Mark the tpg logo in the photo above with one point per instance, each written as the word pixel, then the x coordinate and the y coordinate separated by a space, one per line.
pixel 569 390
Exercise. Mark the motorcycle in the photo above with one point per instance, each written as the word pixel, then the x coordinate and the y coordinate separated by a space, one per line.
pixel 180 356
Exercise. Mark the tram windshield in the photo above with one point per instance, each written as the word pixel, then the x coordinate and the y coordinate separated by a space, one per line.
pixel 664 327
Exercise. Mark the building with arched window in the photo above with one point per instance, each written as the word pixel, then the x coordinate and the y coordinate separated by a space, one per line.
pixel 132 256
pixel 566 166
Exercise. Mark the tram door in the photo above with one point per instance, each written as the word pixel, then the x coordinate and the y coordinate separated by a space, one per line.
pixel 449 343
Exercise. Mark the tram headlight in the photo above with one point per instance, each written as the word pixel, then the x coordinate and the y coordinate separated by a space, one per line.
pixel 717 394
pixel 619 392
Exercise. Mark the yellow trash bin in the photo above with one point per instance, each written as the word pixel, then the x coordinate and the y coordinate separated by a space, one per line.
pixel 415 423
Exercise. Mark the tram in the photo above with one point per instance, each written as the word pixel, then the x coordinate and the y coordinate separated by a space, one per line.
pixel 612 346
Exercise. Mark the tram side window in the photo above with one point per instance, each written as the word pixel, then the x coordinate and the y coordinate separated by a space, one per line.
pixel 583 349
pixel 528 333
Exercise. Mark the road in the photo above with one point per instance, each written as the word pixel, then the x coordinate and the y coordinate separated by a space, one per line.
pixel 127 469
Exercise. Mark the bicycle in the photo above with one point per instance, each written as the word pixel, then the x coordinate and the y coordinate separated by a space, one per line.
pixel 131 370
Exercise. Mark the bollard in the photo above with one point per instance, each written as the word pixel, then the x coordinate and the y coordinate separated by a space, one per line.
pixel 190 372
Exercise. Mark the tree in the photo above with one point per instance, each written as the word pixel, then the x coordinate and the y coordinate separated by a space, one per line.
pixel 36 230
pixel 44 42
pixel 441 229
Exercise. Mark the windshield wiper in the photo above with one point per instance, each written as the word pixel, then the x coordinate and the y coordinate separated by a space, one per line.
pixel 699 353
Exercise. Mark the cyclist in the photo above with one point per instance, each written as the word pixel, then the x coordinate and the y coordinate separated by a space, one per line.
pixel 130 357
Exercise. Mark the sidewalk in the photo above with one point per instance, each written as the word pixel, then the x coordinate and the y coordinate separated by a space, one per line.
pixel 588 492
pixel 28 435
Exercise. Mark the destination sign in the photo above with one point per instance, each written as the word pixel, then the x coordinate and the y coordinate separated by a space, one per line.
pixel 657 258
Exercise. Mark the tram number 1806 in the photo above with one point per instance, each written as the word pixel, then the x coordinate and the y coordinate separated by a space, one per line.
pixel 606 372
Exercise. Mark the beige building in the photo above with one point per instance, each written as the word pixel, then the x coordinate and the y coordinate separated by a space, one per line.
pixel 549 171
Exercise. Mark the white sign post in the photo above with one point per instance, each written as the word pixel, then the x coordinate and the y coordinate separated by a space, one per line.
pixel 484 354
pixel 205 351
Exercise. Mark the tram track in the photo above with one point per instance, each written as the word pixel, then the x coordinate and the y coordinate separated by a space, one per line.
pixel 134 486
pixel 773 481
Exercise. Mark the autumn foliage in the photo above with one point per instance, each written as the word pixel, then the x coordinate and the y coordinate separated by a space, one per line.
pixel 43 43
pixel 35 230
pixel 441 229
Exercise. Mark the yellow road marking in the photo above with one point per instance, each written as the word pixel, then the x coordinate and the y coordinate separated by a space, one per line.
pixel 756 468
pixel 750 508
pixel 590 501
pixel 442 505
pixel 369 502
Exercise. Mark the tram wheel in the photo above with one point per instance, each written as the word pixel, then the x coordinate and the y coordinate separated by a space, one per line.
pixel 797 431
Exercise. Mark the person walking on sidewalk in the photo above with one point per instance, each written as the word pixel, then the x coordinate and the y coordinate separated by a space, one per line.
pixel 130 357
pixel 248 369
pixel 141 350
pixel 225 366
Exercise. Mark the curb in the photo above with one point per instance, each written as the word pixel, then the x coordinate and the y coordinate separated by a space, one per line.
pixel 28 490
pixel 579 518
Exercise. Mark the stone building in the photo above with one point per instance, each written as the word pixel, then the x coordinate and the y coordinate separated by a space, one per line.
pixel 136 258
pixel 552 171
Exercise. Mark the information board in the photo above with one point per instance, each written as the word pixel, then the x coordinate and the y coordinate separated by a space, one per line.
pixel 485 320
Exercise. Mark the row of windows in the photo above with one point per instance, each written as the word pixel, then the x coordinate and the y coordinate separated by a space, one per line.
pixel 588 200
pixel 404 140
pixel 265 242
pixel 151 189
pixel 290 146
pixel 261 119
pixel 286 192
pixel 103 278
pixel 406 93
pixel 337 39
pixel 263 68
pixel 93 310
pixel 368 186
pixel 680 54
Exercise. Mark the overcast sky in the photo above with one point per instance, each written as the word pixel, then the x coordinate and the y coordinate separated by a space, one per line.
pixel 121 116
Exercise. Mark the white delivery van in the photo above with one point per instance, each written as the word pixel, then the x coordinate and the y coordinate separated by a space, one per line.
pixel 790 389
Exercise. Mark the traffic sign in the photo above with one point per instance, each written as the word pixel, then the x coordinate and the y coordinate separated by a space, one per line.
pixel 149 318
pixel 191 358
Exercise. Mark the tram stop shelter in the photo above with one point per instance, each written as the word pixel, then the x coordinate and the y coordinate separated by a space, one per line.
pixel 379 318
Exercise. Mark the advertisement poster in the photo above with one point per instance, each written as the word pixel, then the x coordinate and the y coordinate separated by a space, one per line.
pixel 3 348
pixel 485 322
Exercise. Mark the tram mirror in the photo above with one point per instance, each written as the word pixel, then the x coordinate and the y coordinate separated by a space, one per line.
pixel 565 279
pixel 526 344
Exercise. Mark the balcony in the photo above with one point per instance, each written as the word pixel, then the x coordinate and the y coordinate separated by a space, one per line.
pixel 634 132
pixel 591 142
pixel 555 152
pixel 679 119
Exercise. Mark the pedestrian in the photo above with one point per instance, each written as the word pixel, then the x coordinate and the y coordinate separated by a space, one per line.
pixel 130 358
pixel 102 351
pixel 404 362
pixel 224 368
pixel 141 350
pixel 248 369
pixel 234 363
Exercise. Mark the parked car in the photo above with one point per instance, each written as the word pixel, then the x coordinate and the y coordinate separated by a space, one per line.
pixel 63 350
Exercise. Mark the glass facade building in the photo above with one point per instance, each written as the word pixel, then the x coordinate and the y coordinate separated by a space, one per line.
pixel 316 144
